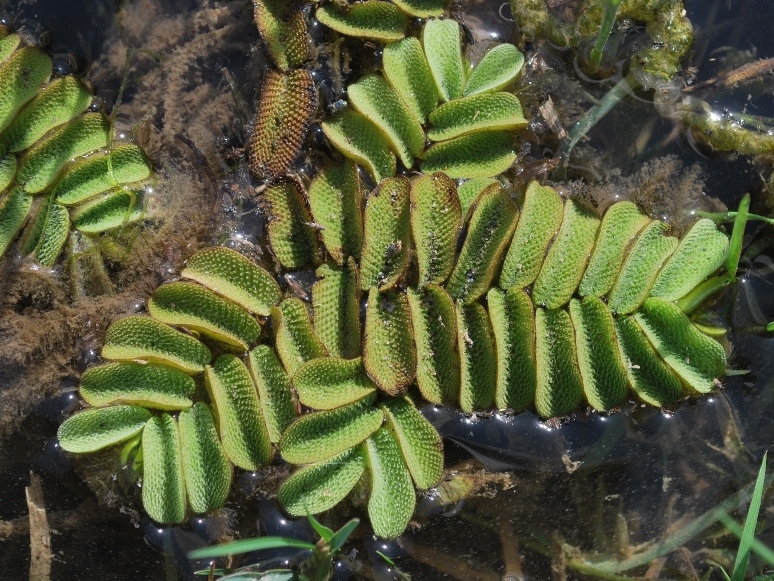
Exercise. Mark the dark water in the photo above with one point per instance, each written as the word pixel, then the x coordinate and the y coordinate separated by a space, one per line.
pixel 576 484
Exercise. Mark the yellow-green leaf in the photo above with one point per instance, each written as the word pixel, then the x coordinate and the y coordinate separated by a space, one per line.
pixel 234 277
pixel 138 337
pixel 389 354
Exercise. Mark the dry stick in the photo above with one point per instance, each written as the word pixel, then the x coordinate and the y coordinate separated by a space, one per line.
pixel 40 535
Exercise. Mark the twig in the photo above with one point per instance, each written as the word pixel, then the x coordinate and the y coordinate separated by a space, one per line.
pixel 40 535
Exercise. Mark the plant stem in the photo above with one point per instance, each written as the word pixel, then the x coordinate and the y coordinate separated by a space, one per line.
pixel 608 18
pixel 594 115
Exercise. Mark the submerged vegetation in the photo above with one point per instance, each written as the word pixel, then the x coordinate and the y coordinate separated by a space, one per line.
pixel 458 283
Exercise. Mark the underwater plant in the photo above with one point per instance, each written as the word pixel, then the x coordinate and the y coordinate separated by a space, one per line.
pixel 63 177
pixel 653 65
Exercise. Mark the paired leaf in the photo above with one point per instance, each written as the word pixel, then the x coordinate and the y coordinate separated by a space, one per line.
pixel 565 263
pixel 419 441
pixel 283 28
pixel 147 385
pixel 435 223
pixel 189 305
pixel 406 69
pixel 442 43
pixel 52 228
pixel 513 324
pixel 699 360
pixel 495 70
pixel 478 364
pixel 336 201
pixel 319 487
pixel 559 388
pixel 97 428
pixel 138 337
pixel 328 382
pixel 294 337
pixel 40 165
pixel 293 240
pixel 386 250
pixel 113 210
pixel 433 319
pixel 99 173
pixel 491 227
pixel 163 485
pixel 640 268
pixel 274 393
pixel 286 106
pixel 541 216
pixel 241 425
pixel 373 97
pixel 14 209
pixel 206 469
pixel 393 498
pixel 21 76
pixel 477 155
pixel 234 277
pixel 319 436
pixel 602 370
pixel 389 355
pixel 360 140
pixel 336 309
pixel 649 377
pixel 59 102
pixel 371 19
pixel 486 112
pixel 701 252
pixel 620 224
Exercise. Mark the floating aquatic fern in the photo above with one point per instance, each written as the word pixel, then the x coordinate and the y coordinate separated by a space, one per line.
pixel 547 306
pixel 59 168
pixel 472 128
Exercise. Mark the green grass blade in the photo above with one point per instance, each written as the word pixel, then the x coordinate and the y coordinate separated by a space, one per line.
pixel 248 546
pixel 737 236
pixel 342 535
pixel 325 533
pixel 748 533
